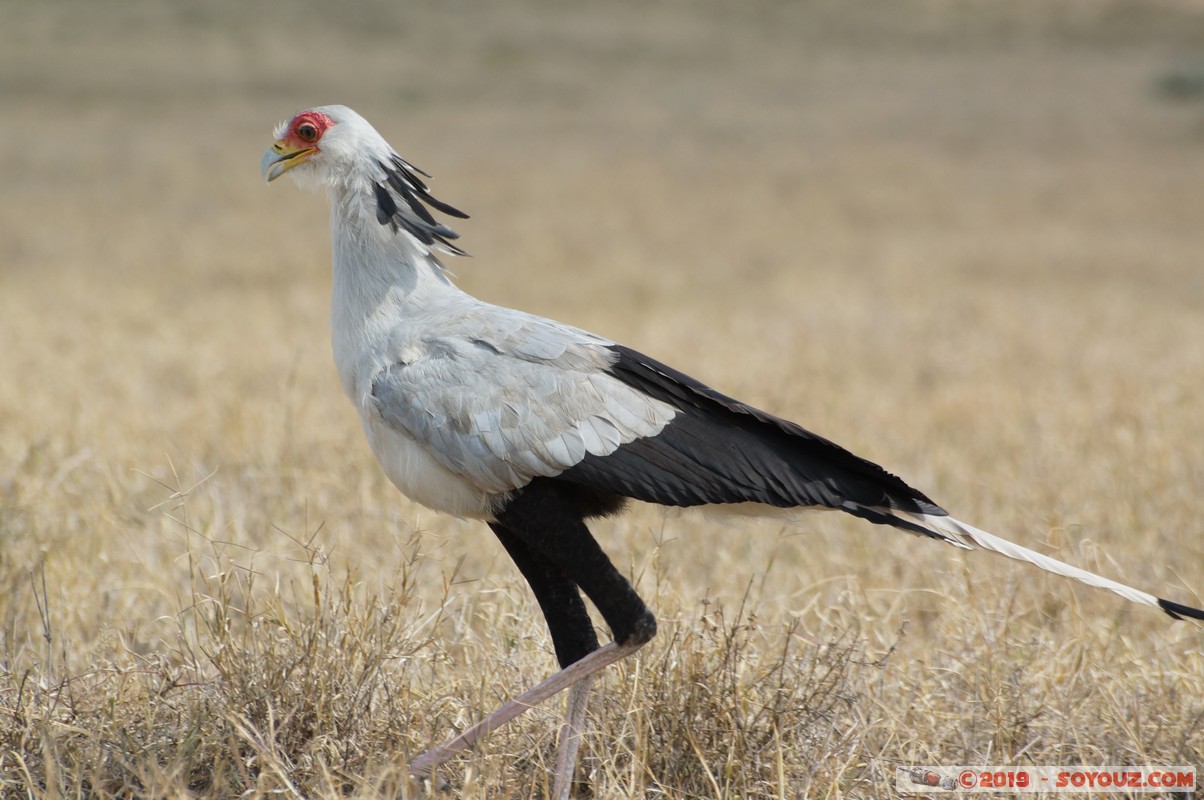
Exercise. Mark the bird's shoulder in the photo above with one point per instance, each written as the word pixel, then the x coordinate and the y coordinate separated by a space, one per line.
pixel 502 396
pixel 477 335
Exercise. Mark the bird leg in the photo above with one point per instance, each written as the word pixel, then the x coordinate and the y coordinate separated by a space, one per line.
pixel 543 530
pixel 574 674
pixel 570 737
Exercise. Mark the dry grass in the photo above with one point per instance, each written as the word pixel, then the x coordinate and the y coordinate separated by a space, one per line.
pixel 963 239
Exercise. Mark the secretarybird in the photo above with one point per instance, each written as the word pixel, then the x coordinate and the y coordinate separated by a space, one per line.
pixel 536 427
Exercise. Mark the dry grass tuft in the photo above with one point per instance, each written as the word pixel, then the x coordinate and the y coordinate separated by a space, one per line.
pixel 263 688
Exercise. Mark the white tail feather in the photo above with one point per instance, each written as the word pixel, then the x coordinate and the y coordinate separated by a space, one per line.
pixel 959 533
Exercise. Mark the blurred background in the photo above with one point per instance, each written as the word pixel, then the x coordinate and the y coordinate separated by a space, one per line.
pixel 741 173
pixel 964 239
pixel 890 221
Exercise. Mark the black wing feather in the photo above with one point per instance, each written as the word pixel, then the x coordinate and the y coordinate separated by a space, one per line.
pixel 719 450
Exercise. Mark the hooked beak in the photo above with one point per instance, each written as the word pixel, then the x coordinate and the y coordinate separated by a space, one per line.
pixel 281 157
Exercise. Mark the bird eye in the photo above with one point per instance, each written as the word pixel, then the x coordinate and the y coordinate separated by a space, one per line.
pixel 307 132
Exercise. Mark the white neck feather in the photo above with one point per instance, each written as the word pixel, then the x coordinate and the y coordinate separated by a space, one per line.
pixel 381 275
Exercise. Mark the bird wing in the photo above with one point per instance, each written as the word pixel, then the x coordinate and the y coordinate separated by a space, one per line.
pixel 719 450
pixel 501 397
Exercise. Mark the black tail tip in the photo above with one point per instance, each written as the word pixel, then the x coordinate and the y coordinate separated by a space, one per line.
pixel 1179 611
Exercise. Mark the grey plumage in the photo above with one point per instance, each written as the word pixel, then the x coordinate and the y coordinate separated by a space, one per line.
pixel 501 397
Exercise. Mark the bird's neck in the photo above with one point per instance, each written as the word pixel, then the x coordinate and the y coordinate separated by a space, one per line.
pixel 382 279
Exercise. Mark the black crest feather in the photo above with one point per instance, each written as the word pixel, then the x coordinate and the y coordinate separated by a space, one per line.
pixel 412 214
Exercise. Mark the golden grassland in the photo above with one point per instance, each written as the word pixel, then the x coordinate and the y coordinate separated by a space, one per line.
pixel 964 240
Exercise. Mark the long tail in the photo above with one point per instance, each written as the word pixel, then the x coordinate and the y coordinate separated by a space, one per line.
pixel 958 533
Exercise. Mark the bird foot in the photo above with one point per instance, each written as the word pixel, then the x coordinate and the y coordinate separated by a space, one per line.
pixel 424 765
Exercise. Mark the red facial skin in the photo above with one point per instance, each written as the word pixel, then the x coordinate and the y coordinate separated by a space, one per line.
pixel 306 129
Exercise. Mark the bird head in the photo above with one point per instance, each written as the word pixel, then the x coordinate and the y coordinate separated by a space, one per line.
pixel 335 148
pixel 324 146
